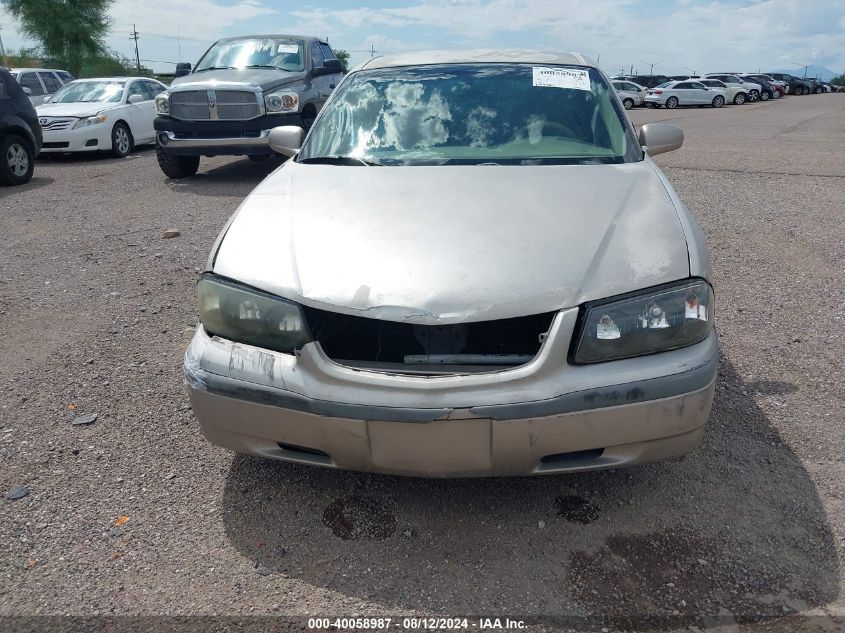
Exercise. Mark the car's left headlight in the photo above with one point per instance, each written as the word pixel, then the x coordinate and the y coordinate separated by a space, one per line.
pixel 281 102
pixel 251 316
pixel 645 322
pixel 91 120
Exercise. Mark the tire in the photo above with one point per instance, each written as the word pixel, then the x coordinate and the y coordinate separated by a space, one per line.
pixel 753 96
pixel 764 96
pixel 819 91
pixel 175 166
pixel 739 98
pixel 672 103
pixel 776 94
pixel 121 140
pixel 628 103
pixel 258 158
pixel 17 161
pixel 718 101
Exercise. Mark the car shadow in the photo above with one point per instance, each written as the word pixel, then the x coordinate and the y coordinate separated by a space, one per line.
pixel 36 183
pixel 233 179
pixel 94 157
pixel 734 532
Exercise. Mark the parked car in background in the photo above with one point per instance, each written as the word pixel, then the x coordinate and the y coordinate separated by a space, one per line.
pixel 731 91
pixel 575 333
pixel 240 89
pixel 779 88
pixel 766 91
pixel 20 133
pixel 630 94
pixel 40 83
pixel 684 93
pixel 796 86
pixel 647 81
pixel 89 115
pixel 749 91
pixel 816 86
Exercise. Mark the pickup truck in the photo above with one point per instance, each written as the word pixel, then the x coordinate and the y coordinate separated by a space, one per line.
pixel 240 89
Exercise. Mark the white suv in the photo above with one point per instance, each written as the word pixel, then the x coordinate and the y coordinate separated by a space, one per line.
pixel 40 83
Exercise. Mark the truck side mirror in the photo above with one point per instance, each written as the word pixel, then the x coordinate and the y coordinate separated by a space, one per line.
pixel 329 67
pixel 286 139
pixel 182 69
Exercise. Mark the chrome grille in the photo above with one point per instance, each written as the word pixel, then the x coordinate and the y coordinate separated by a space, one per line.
pixel 54 125
pixel 205 105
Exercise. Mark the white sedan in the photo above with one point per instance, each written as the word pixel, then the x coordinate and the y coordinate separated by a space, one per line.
pixel 684 93
pixel 89 115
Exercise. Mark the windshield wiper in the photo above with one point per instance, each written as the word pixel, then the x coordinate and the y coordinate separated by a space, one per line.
pixel 202 70
pixel 340 160
pixel 268 66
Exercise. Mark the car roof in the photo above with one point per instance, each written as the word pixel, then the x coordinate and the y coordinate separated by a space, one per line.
pixel 49 70
pixel 290 36
pixel 478 56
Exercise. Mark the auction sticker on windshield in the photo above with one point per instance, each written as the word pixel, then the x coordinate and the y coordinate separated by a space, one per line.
pixel 572 78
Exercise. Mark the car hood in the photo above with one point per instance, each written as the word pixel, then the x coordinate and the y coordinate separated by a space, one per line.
pixel 263 78
pixel 455 243
pixel 73 109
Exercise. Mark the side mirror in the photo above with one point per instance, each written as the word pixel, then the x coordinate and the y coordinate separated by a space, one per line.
pixel 329 67
pixel 27 92
pixel 286 139
pixel 135 99
pixel 657 138
pixel 182 69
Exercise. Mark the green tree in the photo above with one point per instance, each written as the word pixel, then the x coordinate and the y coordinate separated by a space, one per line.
pixel 839 80
pixel 68 30
pixel 343 56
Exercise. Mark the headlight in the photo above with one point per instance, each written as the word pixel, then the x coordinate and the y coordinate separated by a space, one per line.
pixel 250 316
pixel 163 103
pixel 91 120
pixel 646 322
pixel 282 102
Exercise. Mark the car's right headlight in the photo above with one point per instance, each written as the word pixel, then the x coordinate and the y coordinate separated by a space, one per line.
pixel 163 103
pixel 645 322
pixel 247 315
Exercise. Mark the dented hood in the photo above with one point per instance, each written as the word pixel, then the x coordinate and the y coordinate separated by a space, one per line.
pixel 455 243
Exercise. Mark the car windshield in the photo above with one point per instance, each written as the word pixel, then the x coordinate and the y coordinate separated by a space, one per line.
pixel 267 52
pixel 90 92
pixel 473 114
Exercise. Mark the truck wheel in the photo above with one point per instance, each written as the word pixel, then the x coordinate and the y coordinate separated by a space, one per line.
pixel 175 166
pixel 16 161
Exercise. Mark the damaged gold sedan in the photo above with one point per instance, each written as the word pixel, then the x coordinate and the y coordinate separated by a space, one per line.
pixel 471 266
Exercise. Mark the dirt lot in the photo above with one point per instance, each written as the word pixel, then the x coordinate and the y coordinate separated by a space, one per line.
pixel 96 309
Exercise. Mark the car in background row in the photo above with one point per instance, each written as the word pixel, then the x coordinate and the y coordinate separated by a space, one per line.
pixel 733 93
pixel 779 88
pixel 647 81
pixel 796 86
pixel 89 115
pixel 751 90
pixel 630 94
pixel 766 90
pixel 40 83
pixel 684 93
pixel 20 133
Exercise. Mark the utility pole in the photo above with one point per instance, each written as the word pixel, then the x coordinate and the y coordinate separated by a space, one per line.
pixel 3 50
pixel 134 36
pixel 372 50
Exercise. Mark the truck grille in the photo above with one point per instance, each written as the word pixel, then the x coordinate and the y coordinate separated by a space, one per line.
pixel 223 105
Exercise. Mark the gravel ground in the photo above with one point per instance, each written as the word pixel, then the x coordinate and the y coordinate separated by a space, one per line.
pixel 136 514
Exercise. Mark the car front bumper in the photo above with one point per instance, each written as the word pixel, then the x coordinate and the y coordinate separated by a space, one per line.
pixel 543 417
pixel 91 138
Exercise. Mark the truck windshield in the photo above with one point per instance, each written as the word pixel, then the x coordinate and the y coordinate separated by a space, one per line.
pixel 267 52
pixel 472 114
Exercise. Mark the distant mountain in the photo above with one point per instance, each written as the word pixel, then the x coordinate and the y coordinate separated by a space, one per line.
pixel 825 74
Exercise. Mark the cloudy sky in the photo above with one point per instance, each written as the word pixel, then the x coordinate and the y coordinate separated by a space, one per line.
pixel 677 36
